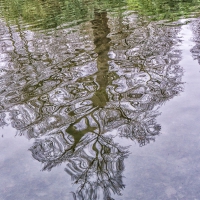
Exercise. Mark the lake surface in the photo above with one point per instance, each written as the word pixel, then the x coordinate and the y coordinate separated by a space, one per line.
pixel 99 100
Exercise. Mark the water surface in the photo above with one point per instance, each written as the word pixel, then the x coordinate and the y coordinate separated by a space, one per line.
pixel 99 100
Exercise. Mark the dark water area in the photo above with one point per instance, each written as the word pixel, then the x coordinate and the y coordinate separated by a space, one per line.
pixel 99 100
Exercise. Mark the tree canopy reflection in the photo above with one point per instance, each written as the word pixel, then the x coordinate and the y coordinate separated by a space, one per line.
pixel 165 10
pixel 46 14
pixel 73 94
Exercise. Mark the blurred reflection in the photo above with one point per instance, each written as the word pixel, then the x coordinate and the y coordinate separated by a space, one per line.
pixel 75 93
pixel 51 14
pixel 196 32
pixel 165 10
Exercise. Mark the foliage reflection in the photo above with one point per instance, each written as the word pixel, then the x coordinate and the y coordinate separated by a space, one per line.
pixel 73 94
pixel 47 14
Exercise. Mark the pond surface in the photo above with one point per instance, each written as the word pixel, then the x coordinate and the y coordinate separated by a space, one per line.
pixel 99 100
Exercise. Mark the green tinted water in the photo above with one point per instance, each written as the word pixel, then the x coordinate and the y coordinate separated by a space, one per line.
pixel 99 100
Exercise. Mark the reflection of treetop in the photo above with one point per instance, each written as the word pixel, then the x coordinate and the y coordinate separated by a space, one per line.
pixel 69 92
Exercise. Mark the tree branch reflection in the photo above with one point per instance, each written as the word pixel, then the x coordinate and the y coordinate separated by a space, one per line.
pixel 70 97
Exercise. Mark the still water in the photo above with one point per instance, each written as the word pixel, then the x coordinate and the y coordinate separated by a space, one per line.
pixel 99 100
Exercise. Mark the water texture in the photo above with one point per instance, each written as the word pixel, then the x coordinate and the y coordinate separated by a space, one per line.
pixel 99 100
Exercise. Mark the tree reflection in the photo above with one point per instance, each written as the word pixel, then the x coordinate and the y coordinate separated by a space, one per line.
pixel 47 14
pixel 165 10
pixel 70 92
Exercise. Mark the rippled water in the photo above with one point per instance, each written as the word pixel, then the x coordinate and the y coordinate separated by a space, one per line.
pixel 99 100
